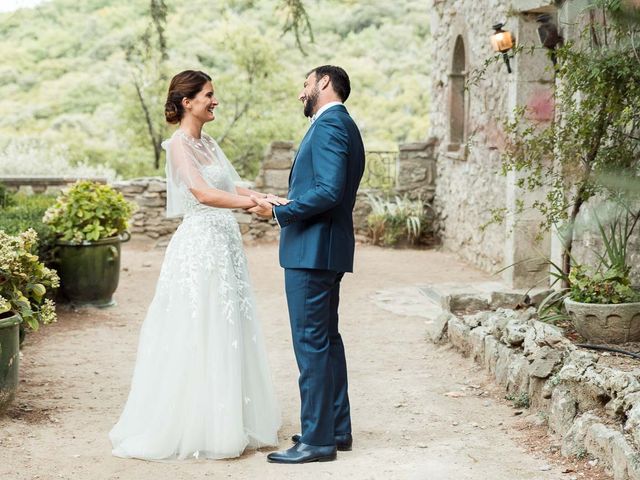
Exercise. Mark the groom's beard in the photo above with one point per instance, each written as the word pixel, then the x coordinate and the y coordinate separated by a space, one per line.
pixel 312 100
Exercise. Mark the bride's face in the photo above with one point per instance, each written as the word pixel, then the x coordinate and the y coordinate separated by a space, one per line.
pixel 202 105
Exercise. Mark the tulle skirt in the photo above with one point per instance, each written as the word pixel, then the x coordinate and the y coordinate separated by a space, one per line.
pixel 201 385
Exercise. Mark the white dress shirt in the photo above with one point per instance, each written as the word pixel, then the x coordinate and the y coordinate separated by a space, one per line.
pixel 322 109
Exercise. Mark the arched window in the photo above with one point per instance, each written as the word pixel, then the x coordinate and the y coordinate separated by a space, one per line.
pixel 457 95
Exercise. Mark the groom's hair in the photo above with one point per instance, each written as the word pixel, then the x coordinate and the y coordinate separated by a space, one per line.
pixel 338 77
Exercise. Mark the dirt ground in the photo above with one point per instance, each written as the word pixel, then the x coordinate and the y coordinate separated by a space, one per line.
pixel 419 411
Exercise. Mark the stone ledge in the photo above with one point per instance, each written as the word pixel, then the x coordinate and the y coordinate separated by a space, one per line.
pixel 591 408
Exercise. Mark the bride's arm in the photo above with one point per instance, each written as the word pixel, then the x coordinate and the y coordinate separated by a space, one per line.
pixel 272 199
pixel 221 199
pixel 245 192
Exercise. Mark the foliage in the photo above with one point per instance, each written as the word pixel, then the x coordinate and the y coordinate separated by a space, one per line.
pixel 66 81
pixel 611 286
pixel 88 211
pixel 594 134
pixel 27 156
pixel 391 221
pixel 147 57
pixel 22 212
pixel 521 400
pixel 609 281
pixel 297 21
pixel 24 280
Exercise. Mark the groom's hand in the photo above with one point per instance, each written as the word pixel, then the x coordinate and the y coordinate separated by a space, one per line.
pixel 263 207
pixel 275 200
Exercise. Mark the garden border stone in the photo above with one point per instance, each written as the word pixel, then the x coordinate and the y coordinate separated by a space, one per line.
pixel 592 409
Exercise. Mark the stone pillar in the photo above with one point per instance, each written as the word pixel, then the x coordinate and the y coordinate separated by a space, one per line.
pixel 276 165
pixel 417 170
pixel 530 85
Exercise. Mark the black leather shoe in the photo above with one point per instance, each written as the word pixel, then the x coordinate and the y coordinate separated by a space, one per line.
pixel 344 442
pixel 303 453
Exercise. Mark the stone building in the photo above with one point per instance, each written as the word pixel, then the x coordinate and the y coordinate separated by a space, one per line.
pixel 467 125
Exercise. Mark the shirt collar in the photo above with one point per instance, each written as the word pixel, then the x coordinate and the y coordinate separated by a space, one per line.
pixel 322 110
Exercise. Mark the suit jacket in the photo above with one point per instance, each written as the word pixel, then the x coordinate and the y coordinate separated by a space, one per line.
pixel 317 226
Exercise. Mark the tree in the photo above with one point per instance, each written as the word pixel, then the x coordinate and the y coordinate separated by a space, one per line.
pixel 147 57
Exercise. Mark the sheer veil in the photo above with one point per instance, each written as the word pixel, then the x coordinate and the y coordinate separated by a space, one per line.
pixel 187 157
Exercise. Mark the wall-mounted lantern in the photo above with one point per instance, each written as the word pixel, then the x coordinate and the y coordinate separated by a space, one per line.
pixel 548 34
pixel 502 41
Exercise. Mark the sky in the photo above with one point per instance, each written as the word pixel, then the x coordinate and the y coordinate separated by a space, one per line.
pixel 11 5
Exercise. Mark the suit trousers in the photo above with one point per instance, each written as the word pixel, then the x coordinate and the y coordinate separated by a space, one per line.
pixel 313 297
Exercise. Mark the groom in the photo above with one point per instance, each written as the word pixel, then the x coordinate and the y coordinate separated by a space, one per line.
pixel 316 249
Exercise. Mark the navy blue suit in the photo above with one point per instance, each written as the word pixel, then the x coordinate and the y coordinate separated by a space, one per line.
pixel 316 249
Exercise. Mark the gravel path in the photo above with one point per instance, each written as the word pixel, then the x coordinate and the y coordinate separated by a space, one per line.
pixel 419 411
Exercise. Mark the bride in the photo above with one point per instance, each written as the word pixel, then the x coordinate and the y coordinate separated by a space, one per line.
pixel 201 385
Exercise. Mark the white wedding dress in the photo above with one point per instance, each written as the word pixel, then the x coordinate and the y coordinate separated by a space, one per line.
pixel 201 385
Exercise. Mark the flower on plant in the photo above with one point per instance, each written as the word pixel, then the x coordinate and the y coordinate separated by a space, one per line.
pixel 24 280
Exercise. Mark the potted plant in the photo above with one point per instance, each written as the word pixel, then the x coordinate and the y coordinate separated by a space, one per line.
pixel 89 221
pixel 24 280
pixel 602 303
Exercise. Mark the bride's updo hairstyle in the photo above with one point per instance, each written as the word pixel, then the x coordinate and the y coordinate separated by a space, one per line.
pixel 185 84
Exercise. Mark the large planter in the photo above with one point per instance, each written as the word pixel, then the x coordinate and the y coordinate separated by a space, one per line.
pixel 9 358
pixel 89 272
pixel 605 323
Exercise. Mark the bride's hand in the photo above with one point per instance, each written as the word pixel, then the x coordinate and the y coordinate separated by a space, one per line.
pixel 275 200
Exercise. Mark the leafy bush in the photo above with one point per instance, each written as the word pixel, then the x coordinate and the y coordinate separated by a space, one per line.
pixel 610 286
pixel 88 211
pixel 20 212
pixel 24 280
pixel 402 218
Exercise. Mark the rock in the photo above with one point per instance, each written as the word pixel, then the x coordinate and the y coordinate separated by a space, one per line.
pixel 544 361
pixel 505 358
pixel 458 334
pixel 475 320
pixel 563 410
pixel 437 329
pixel 611 448
pixel 496 321
pixel 476 342
pixel 573 441
pixel 514 332
pixel 540 334
pixel 507 300
pixel 632 425
pixel 461 303
pixel 490 353
pixel 517 377
pixel 157 186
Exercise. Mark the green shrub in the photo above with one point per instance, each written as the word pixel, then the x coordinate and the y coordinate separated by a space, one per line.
pixel 24 280
pixel 88 211
pixel 22 212
pixel 610 286
pixel 393 220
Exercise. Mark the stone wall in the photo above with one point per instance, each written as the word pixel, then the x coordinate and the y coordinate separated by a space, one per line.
pixel 468 185
pixel 591 408
pixel 150 194
pixel 47 185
